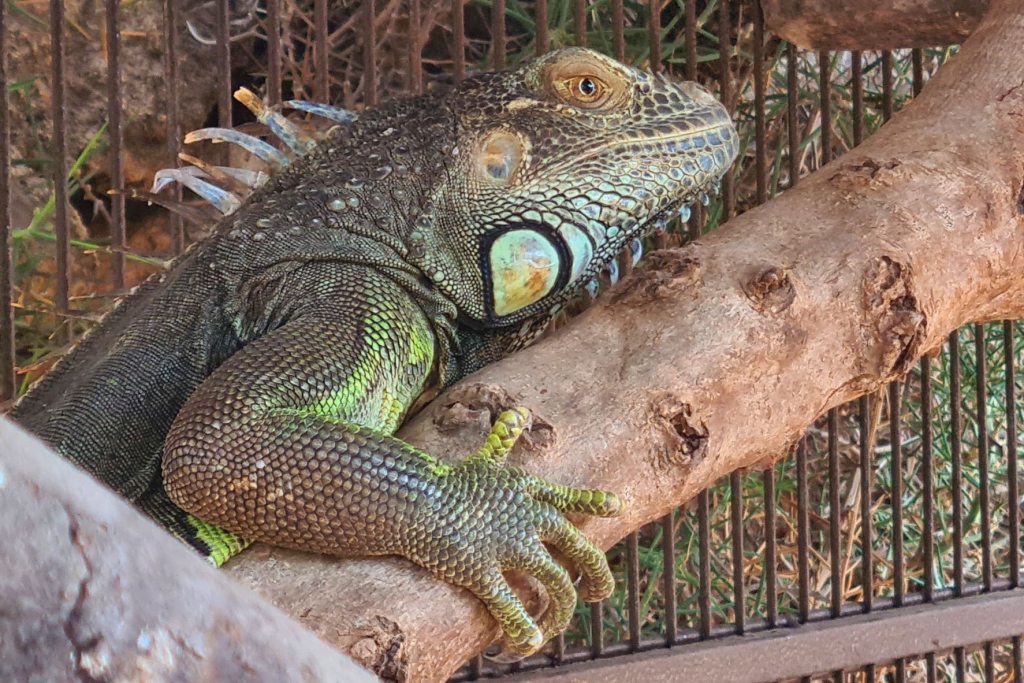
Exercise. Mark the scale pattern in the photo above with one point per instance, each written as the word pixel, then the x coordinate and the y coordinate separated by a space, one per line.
pixel 251 392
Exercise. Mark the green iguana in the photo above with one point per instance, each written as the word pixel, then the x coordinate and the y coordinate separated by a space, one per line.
pixel 251 391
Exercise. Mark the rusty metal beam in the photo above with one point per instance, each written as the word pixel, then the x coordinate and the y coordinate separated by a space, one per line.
pixel 838 644
pixel 872 24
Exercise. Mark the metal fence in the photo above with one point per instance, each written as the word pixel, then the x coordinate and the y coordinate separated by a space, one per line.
pixel 886 548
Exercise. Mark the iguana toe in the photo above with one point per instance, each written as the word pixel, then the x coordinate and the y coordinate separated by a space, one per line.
pixel 502 524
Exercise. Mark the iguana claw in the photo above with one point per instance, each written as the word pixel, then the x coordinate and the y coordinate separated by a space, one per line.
pixel 508 516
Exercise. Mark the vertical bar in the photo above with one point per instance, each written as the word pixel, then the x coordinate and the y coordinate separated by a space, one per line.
pixel 770 551
pixel 370 51
pixel 1018 670
pixel 761 129
pixel 654 34
pixel 415 48
pixel 835 514
pixel 173 127
pixel 917 55
pixel 960 657
pixel 956 455
pixel 540 11
pixel 60 165
pixel 558 649
pixel 901 671
pixel 867 474
pixel 476 667
pixel 597 628
pixel 320 48
pixel 274 51
pixel 990 662
pixel 928 475
pixel 498 35
pixel 704 570
pixel 668 551
pixel 690 34
pixel 930 670
pixel 725 46
pixel 579 18
pixel 7 372
pixel 116 135
pixel 825 85
pixel 898 563
pixel 792 92
pixel 981 393
pixel 803 531
pixel 223 52
pixel 633 588
pixel 857 78
pixel 661 240
pixel 619 31
pixel 887 86
pixel 458 41
pixel 738 593
pixel 1011 455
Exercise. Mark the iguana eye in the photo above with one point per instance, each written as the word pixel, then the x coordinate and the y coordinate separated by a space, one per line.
pixel 588 91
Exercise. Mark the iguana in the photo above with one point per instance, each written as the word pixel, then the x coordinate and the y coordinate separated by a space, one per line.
pixel 252 390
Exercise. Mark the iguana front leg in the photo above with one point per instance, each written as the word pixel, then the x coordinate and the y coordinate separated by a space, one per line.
pixel 288 443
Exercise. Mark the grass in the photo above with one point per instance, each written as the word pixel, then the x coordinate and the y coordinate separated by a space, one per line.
pixel 34 344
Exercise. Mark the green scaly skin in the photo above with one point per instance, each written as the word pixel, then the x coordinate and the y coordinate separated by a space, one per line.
pixel 251 391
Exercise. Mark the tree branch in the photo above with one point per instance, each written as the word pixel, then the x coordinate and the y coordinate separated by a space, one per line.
pixel 718 355
pixel 92 591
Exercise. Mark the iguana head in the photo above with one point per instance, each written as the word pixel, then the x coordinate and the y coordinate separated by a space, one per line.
pixel 556 168
pixel 511 192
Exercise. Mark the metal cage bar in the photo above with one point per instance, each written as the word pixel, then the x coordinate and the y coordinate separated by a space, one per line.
pixel 8 376
pixel 61 229
pixel 115 133
pixel 173 107
pixel 321 50
pixel 273 25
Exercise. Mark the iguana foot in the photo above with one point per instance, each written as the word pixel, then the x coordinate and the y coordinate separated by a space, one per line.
pixel 507 517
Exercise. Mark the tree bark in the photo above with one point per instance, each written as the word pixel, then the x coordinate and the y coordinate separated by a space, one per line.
pixel 872 24
pixel 718 355
pixel 92 591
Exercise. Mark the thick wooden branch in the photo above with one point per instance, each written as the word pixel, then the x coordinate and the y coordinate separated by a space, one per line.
pixel 92 591
pixel 718 355
pixel 872 24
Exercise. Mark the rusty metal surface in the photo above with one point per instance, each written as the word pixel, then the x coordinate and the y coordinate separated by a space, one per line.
pixel 805 650
pixel 273 51
pixel 322 84
pixel 58 51
pixel 7 384
pixel 873 24
pixel 116 136
pixel 171 19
